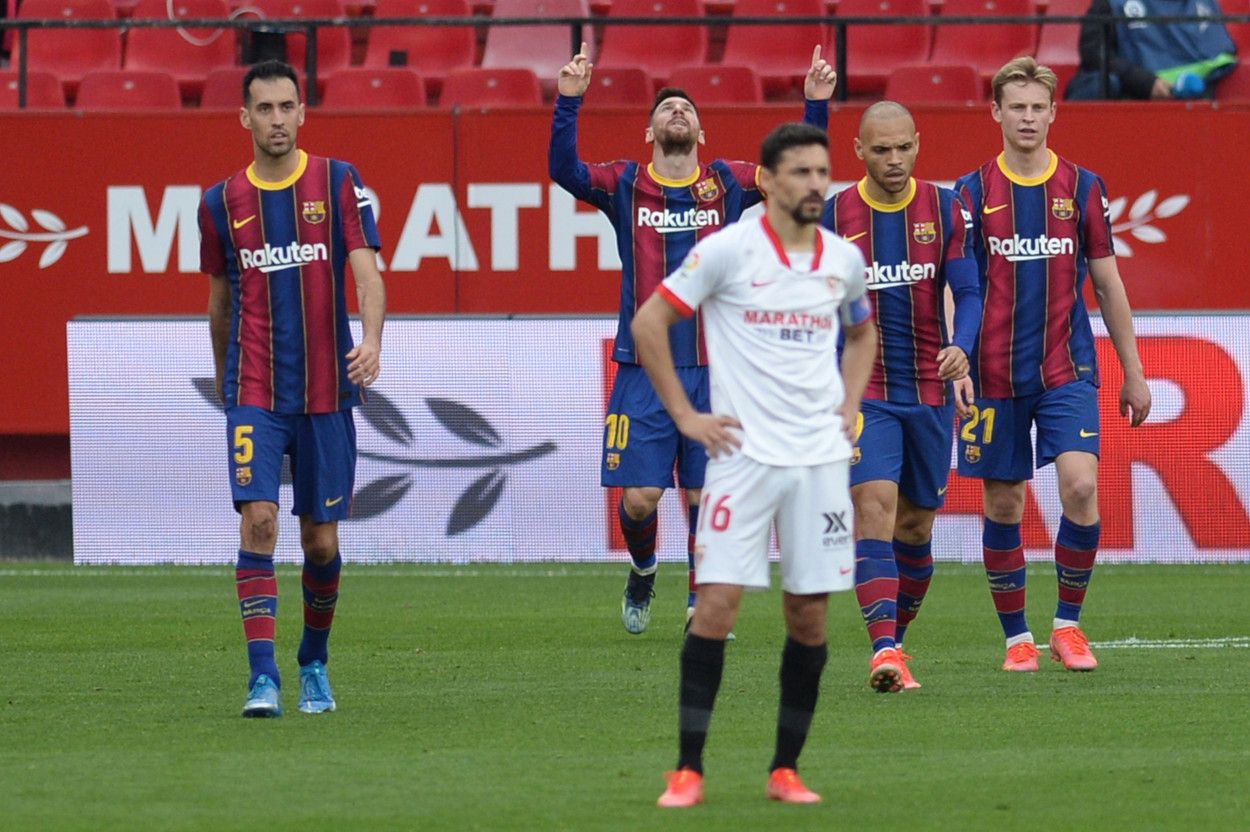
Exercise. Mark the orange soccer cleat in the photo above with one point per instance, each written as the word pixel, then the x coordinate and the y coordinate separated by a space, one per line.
pixel 1070 646
pixel 886 671
pixel 1021 658
pixel 685 789
pixel 909 681
pixel 784 785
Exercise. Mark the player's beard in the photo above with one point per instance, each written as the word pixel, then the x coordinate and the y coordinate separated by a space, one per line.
pixel 808 212
pixel 671 145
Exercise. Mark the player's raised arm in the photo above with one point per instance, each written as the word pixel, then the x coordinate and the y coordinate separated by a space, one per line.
pixel 364 360
pixel 1118 317
pixel 563 165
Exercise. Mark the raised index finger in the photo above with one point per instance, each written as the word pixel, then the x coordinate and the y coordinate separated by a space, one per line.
pixel 816 54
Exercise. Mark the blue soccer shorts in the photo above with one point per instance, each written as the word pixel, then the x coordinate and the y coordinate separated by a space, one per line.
pixel 322 448
pixel 641 443
pixel 994 441
pixel 907 444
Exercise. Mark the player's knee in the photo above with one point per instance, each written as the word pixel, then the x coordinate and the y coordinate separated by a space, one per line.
pixel 641 502
pixel 874 517
pixel 914 528
pixel 320 545
pixel 1079 492
pixel 260 531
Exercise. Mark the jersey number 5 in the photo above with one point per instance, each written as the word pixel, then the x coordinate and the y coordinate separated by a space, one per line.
pixel 243 446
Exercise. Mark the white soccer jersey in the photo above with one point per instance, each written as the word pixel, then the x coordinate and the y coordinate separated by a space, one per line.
pixel 771 322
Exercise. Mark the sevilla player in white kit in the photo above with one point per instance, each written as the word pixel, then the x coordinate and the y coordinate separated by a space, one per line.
pixel 775 293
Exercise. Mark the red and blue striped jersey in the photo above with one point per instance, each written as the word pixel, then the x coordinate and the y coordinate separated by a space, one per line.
pixel 657 220
pixel 907 248
pixel 1034 239
pixel 283 246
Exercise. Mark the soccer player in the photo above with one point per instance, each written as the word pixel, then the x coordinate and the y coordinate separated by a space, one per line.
pixel 914 237
pixel 775 291
pixel 275 239
pixel 659 211
pixel 1041 226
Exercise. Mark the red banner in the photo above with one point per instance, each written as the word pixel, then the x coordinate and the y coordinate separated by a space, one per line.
pixel 97 211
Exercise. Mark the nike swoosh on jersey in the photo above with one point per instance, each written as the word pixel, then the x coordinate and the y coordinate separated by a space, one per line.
pixel 993 209
pixel 334 502
pixel 941 491
pixel 1086 434
pixel 855 237
pixel 240 223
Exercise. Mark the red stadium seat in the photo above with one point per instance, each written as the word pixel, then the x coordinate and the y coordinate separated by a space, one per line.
pixel 223 88
pixel 541 49
pixel 1057 43
pixel 334 43
pixel 43 90
pixel 71 53
pixel 719 84
pixel 1235 86
pixel 985 46
pixel 776 53
pixel 657 49
pixel 620 87
pixel 935 84
pixel 124 89
pixel 491 88
pixel 431 51
pixel 873 52
pixel 186 54
pixel 392 88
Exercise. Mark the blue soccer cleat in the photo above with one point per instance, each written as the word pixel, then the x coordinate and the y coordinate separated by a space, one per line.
pixel 315 696
pixel 636 603
pixel 263 700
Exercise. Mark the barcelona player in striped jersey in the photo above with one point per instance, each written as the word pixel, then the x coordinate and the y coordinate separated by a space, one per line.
pixel 1041 228
pixel 659 211
pixel 915 240
pixel 276 239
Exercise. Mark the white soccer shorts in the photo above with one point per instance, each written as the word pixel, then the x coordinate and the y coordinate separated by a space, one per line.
pixel 811 506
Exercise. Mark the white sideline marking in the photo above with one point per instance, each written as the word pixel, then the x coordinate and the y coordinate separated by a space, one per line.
pixel 1175 643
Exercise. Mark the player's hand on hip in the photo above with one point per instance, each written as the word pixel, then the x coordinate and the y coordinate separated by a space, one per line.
pixel 363 363
pixel 821 80
pixel 965 397
pixel 952 363
pixel 850 421
pixel 712 432
pixel 1135 400
pixel 574 78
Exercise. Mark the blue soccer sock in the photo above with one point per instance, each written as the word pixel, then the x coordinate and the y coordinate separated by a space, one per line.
pixel 257 589
pixel 915 571
pixel 876 589
pixel 640 539
pixel 1004 566
pixel 321 594
pixel 1076 546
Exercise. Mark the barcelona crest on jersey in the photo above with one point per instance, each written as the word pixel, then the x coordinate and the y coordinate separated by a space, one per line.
pixel 1063 208
pixel 924 232
pixel 707 189
pixel 314 211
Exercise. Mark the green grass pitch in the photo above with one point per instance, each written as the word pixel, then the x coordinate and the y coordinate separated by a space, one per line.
pixel 510 698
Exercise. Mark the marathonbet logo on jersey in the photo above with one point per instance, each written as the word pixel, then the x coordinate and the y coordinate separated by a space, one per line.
pixel 276 258
pixel 673 222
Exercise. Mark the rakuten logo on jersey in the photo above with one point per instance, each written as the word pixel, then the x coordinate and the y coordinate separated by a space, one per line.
pixel 274 258
pixel 1017 249
pixel 672 222
pixel 878 276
